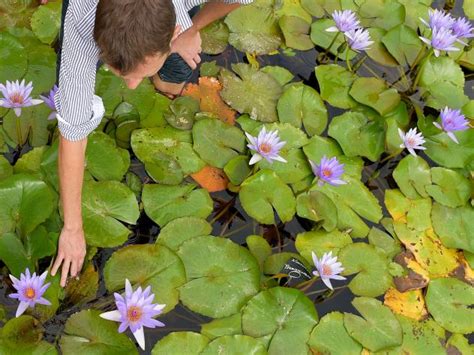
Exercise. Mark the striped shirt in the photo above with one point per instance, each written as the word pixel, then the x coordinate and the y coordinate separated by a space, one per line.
pixel 79 111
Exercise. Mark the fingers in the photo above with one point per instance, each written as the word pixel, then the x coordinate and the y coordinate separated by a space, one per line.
pixel 197 59
pixel 190 62
pixel 64 272
pixel 74 268
pixel 56 264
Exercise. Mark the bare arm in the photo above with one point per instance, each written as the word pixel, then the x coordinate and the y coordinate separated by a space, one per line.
pixel 72 246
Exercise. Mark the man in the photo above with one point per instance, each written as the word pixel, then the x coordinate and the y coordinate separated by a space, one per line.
pixel 135 39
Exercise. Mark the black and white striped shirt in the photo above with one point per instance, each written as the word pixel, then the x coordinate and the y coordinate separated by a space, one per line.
pixel 79 111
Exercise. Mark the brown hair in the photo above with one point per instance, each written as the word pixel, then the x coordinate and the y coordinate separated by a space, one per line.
pixel 126 31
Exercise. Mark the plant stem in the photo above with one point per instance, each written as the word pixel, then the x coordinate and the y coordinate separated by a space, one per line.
pixel 348 62
pixel 418 57
pixel 418 74
pixel 332 42
pixel 18 131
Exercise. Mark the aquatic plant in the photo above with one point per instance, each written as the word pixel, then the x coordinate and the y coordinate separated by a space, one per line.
pixel 345 20
pixel 412 140
pixel 451 121
pixel 327 268
pixel 49 101
pixel 266 145
pixel 16 95
pixel 329 171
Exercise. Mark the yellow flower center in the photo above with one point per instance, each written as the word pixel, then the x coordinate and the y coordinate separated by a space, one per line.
pixel 265 148
pixel 411 142
pixel 30 293
pixel 327 270
pixel 326 173
pixel 134 314
pixel 16 98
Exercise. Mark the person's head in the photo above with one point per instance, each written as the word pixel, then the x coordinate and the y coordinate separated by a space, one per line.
pixel 134 37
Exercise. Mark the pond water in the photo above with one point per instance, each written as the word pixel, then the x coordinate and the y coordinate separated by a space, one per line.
pixel 229 218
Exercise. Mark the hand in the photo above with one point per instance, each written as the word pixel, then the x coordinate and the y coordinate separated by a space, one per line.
pixel 71 253
pixel 188 46
pixel 43 2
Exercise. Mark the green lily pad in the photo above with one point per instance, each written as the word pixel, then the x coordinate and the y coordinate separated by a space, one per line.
pixel 22 336
pixel 318 207
pixel 104 160
pixel 449 187
pixel 155 118
pixel 30 163
pixel 335 83
pixel 181 229
pixel 460 343
pixel 454 226
pixel 275 262
pixel 443 151
pixel 19 208
pixel 217 142
pixel 384 243
pixel 330 337
pixel 412 175
pixel 251 91
pixel 13 58
pixel 6 169
pixel 230 325
pixel 166 203
pixel 381 13
pixel 450 301
pixel 237 169
pixel 375 93
pixel 41 68
pixel 301 105
pixel 180 114
pixel 295 169
pixel 254 28
pixel 321 242
pixel 296 32
pixel 403 44
pixel 378 50
pixel 87 333
pixel 259 248
pixel 14 255
pixel 46 21
pixel 147 265
pixel 31 126
pixel 189 343
pixel 232 344
pixel 168 153
pixel 292 8
pixel 377 329
pixel 217 269
pixel 262 193
pixel 353 127
pixel 323 39
pixel 285 315
pixel 215 37
pixel 104 204
pixel 442 82
pixel 373 277
pixel 282 75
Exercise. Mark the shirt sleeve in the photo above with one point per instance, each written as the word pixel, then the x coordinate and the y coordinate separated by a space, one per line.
pixel 79 111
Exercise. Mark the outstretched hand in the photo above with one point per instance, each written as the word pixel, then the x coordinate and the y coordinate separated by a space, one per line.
pixel 71 253
pixel 188 46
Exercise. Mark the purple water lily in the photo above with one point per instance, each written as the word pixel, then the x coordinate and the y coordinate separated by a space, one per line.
pixel 30 290
pixel 462 28
pixel 16 95
pixel 438 19
pixel 266 145
pixel 412 140
pixel 345 21
pixel 359 39
pixel 452 120
pixel 329 171
pixel 442 39
pixel 135 310
pixel 327 268
pixel 49 101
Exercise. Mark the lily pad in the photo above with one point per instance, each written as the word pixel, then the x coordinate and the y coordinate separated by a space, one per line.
pixel 450 302
pixel 166 203
pixel 104 204
pixel 449 187
pixel 321 242
pixel 230 325
pixel 217 269
pixel 375 93
pixel 335 83
pixel 14 255
pixel 181 229
pixel 180 113
pixel 296 32
pixel 254 28
pixel 412 175
pixel 104 160
pixel 285 315
pixel 410 304
pixel 147 265
pixel 23 335
pixel 381 13
pixel 189 343
pixel 377 329
pixel 282 75
pixel 19 208
pixel 443 151
pixel 46 21
pixel 217 142
pixel 262 193
pixel 318 207
pixel 237 169
pixel 454 226
pixel 323 39
pixel 231 344
pixel 403 44
pixel 214 37
pixel 330 337
pixel 373 277
pixel 13 58
pixel 353 127
pixel 442 82
pixel 251 91
pixel 87 333
pixel 378 50
pixel 301 105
